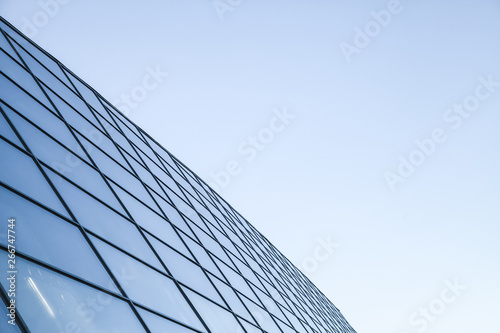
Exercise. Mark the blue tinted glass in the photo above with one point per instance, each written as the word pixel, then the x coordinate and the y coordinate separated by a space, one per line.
pixel 39 115
pixel 98 139
pixel 87 94
pixel 185 271
pixel 157 324
pixel 43 147
pixel 234 302
pixel 201 255
pixel 50 302
pixel 19 171
pixel 11 93
pixel 139 191
pixel 90 180
pixel 105 222
pixel 159 293
pixel 76 103
pixel 4 45
pixel 41 72
pixel 144 175
pixel 46 237
pixel 143 215
pixel 217 318
pixel 174 216
pixel 7 132
pixel 36 52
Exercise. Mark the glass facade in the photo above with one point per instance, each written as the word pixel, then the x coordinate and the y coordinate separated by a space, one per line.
pixel 113 234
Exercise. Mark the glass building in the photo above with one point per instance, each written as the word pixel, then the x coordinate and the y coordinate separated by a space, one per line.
pixel 103 230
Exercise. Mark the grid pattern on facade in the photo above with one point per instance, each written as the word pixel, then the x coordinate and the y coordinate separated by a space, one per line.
pixel 117 235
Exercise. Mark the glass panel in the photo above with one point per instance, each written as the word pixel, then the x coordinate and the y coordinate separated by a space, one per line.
pixel 11 93
pixel 170 237
pixel 41 72
pixel 128 128
pixel 44 119
pixel 202 256
pixel 104 222
pixel 234 302
pixel 76 103
pixel 145 175
pixel 117 137
pixel 174 216
pixel 112 169
pixel 89 96
pixel 19 171
pixel 4 45
pixel 261 316
pixel 50 302
pixel 36 52
pixel 7 132
pixel 216 318
pixel 293 319
pixel 138 190
pixel 157 324
pixel 185 271
pixel 210 244
pixel 46 149
pixel 90 180
pixel 105 112
pixel 102 141
pixel 159 293
pixel 46 237
pixel 235 280
pixel 143 216
pixel 250 328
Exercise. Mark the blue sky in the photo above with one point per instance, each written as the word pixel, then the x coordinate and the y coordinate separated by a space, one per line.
pixel 425 71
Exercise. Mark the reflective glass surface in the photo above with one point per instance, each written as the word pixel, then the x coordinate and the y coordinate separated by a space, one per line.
pixel 51 302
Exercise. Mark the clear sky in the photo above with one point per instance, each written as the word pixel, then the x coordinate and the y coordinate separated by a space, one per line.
pixel 305 115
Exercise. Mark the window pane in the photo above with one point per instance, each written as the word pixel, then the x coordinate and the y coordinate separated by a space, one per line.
pixel 202 256
pixel 142 215
pixel 41 72
pixel 37 53
pixel 19 171
pixel 7 132
pixel 44 119
pixel 157 324
pixel 104 222
pixel 173 216
pixel 7 48
pixel 146 286
pixel 87 94
pixel 50 302
pixel 76 103
pixel 169 236
pixel 135 187
pixel 144 175
pixel 185 271
pixel 217 318
pixel 230 296
pixel 46 237
pixel 89 179
pixel 46 149
pixel 96 138
pixel 12 94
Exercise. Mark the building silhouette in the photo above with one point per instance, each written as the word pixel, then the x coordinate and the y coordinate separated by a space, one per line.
pixel 103 230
